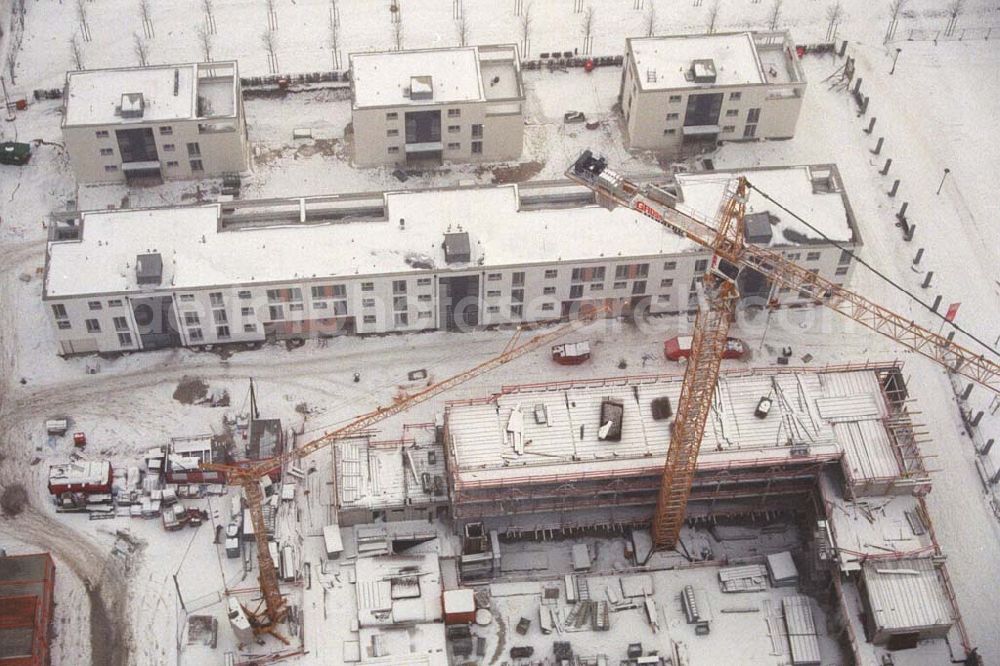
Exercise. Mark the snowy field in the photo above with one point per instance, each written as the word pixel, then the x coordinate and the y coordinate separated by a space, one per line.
pixel 935 112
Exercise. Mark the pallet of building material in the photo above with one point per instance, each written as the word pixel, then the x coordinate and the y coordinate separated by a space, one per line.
pixel 586 609
pixel 522 626
pixel 571 591
pixel 573 614
pixel 583 588
pixel 600 616
pixel 747 578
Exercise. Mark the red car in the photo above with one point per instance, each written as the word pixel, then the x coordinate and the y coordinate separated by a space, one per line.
pixel 679 347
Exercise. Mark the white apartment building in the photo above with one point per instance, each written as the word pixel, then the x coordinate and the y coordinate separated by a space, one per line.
pixel 700 89
pixel 143 124
pixel 420 107
pixel 408 261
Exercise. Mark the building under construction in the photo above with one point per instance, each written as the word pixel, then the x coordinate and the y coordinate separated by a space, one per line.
pixel 590 453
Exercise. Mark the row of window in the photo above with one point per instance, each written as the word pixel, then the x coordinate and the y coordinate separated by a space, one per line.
pixel 477 147
pixel 196 166
pixel 164 130
pixel 733 97
pixel 452 113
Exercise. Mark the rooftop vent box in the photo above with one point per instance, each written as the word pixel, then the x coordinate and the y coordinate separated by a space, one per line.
pixel 703 71
pixel 456 248
pixel 149 269
pixel 757 228
pixel 132 105
pixel 421 87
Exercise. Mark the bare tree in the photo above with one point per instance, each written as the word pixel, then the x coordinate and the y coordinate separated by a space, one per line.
pixel 651 21
pixel 81 15
pixel 77 52
pixel 525 24
pixel 587 28
pixel 205 42
pixel 713 16
pixel 146 14
pixel 834 14
pixel 462 27
pixel 333 39
pixel 141 49
pixel 397 35
pixel 270 42
pixel 896 7
pixel 775 16
pixel 954 10
pixel 272 17
pixel 208 6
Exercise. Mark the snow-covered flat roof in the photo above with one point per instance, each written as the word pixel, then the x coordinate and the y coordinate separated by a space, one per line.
pixel 906 594
pixel 814 193
pixel 169 92
pixel 661 62
pixel 485 434
pixel 383 79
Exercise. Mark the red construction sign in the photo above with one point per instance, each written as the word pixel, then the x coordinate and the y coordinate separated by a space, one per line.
pixel 952 311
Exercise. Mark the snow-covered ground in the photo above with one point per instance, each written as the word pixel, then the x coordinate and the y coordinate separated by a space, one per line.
pixel 934 112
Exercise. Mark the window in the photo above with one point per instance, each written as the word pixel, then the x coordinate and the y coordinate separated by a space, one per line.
pixel 293 294
pixel 94 305
pixel 249 328
pixel 701 265
pixel 477 147
pixel 631 271
pixel 367 286
pixel 172 164
pixel 492 294
pixel 110 168
pixel 812 256
pixel 59 310
pixel 195 335
pixel 125 339
pixel 597 286
pixel 424 298
pixel 493 309
pixel 401 319
pixel 187 298
pixel 166 130
pixel 732 113
pixel 663 298
pixel 168 147
pixel 793 256
pixel 639 287
pixel 399 302
pixel 454 129
pixel 477 131
pixel 517 279
pixel 392 132
pixel 551 273
pixel 93 326
pixel 517 311
pixel 244 295
pixel 423 282
pixel 494 277
pixel 295 307
pixel 329 291
pixel 733 96
pixel 590 274
pixel 845 257
pixel 191 319
pixel 753 116
pixel 454 146
pixel 549 290
pixel 63 324
pixel 576 291
pixel 121 323
pixel 246 312
pixel 841 270
pixel 547 306
pixel 369 319
pixel 367 302
pixel 675 99
pixel 669 265
pixel 393 150
pixel 101 134
pixel 340 307
pixel 215 298
pixel 619 285
pixel 673 116
pixel 219 316
pixel 667 282
pixel 194 150
pixel 276 312
pixel 392 115
pixel 222 332
pixel 115 303
pixel 196 165
pixel 426 314
pixel 728 129
pixel 399 286
pixel 107 151
pixel 669 131
pixel 517 296
pixel 454 113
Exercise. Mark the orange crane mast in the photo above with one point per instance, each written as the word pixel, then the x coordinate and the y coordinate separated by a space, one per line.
pixel 731 253
pixel 275 608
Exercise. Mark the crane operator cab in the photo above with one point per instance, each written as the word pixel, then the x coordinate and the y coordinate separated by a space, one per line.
pixel 723 269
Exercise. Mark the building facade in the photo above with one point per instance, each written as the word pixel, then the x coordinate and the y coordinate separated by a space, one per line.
pixel 148 124
pixel 428 106
pixel 409 261
pixel 695 90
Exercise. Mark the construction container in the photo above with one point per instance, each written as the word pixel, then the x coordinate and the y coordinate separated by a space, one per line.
pixel 333 542
pixel 57 426
pixel 459 606
pixel 27 584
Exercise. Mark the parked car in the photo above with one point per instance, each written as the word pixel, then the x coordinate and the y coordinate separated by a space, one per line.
pixel 571 117
pixel 573 353
pixel 679 347
pixel 14 153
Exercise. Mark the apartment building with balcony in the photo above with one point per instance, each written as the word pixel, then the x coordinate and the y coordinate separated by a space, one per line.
pixel 685 91
pixel 437 105
pixel 149 124
pixel 408 261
